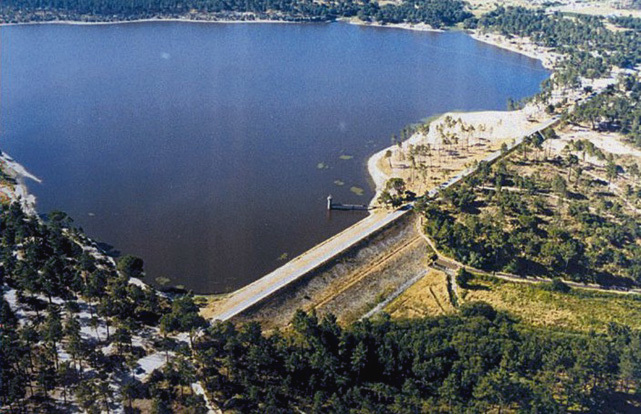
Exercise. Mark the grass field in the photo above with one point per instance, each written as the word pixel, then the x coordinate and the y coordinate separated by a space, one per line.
pixel 427 297
pixel 579 310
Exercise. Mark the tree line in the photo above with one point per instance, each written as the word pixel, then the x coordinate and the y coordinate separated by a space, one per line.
pixel 437 13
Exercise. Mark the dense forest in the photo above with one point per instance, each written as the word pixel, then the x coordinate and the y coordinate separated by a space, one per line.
pixel 627 22
pixel 437 13
pixel 477 361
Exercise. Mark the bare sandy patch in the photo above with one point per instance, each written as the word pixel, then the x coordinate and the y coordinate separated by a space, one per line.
pixel 454 142
pixel 609 142
pixel 419 27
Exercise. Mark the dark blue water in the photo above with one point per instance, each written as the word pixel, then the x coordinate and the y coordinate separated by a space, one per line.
pixel 196 146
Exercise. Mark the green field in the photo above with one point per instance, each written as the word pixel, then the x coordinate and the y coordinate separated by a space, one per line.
pixel 579 310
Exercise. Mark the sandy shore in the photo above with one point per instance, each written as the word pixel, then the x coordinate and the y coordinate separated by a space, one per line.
pixel 419 27
pixel 519 45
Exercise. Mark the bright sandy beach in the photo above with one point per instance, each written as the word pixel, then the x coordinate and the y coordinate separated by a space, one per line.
pixel 454 142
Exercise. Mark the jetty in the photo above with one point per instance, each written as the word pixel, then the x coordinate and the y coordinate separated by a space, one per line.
pixel 250 295
pixel 331 205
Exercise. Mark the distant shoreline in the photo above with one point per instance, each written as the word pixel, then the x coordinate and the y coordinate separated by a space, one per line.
pixel 525 47
pixel 156 20
pixel 521 46
pixel 419 27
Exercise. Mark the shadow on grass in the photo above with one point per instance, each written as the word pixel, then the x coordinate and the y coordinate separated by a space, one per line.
pixel 619 402
pixel 609 280
pixel 475 286
pixel 474 207
pixel 532 268
pixel 576 196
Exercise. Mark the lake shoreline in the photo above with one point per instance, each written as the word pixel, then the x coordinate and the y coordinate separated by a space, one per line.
pixel 522 46
pixel 499 127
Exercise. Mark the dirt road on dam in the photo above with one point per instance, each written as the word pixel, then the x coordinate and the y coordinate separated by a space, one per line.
pixel 253 293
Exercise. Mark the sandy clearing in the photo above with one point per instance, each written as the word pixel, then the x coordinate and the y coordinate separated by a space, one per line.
pixel 490 130
pixel 149 363
pixel 595 9
pixel 608 142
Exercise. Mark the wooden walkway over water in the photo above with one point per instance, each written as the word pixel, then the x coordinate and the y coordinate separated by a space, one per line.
pixel 331 205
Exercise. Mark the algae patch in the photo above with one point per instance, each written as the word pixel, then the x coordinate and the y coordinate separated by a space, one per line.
pixel 357 190
pixel 162 281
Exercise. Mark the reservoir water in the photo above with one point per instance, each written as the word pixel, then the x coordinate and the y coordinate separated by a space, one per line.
pixel 209 149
